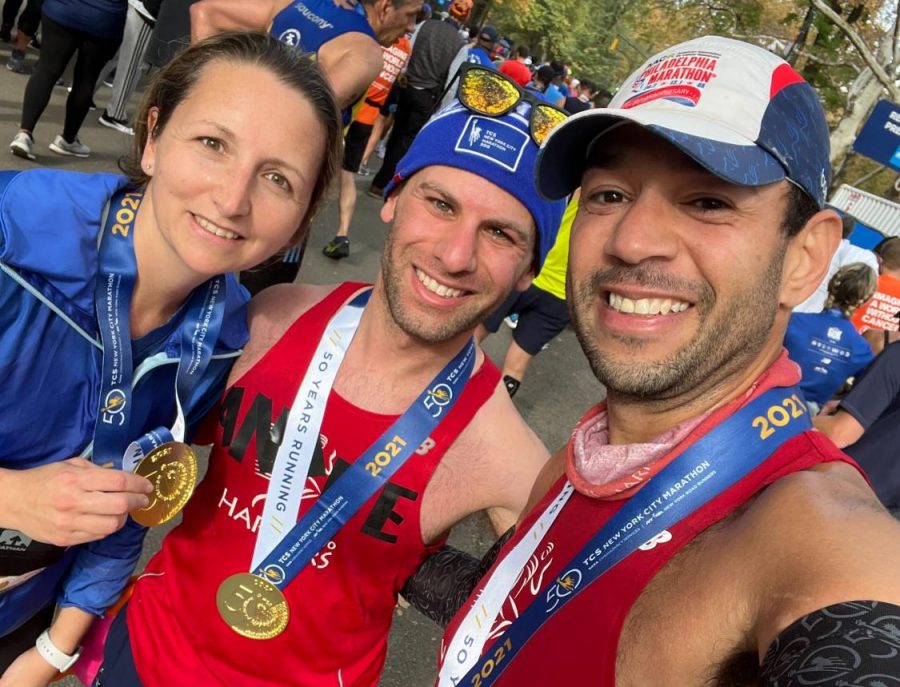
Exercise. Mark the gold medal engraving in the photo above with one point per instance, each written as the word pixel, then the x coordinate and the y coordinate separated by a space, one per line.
pixel 252 606
pixel 172 469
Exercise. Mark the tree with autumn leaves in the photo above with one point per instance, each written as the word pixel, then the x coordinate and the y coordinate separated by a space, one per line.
pixel 848 50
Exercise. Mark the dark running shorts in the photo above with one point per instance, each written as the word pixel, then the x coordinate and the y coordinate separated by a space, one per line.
pixel 541 317
pixel 355 141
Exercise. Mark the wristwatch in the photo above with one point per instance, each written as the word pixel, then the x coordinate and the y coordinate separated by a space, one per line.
pixel 50 653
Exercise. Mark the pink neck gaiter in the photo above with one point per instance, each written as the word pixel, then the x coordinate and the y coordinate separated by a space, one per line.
pixel 600 470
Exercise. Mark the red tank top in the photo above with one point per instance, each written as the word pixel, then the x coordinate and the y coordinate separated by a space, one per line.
pixel 341 604
pixel 588 629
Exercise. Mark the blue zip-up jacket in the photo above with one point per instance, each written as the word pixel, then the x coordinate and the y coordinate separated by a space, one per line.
pixel 50 367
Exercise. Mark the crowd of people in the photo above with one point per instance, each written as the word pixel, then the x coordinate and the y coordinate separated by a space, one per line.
pixel 733 479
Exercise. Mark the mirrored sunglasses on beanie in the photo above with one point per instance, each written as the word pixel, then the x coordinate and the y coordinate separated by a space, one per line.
pixel 492 94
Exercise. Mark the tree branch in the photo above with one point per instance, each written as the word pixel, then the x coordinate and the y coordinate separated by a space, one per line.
pixel 783 39
pixel 763 36
pixel 868 57
pixel 815 58
pixel 895 43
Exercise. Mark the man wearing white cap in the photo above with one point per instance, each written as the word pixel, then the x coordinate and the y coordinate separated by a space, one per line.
pixel 695 531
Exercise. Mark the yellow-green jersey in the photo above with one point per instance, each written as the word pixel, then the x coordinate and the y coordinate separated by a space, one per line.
pixel 552 277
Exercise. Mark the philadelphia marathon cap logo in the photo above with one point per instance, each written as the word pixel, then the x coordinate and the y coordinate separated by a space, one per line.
pixel 679 77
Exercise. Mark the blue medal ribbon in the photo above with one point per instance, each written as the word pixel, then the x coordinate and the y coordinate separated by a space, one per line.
pixel 199 328
pixel 716 462
pixel 112 297
pixel 337 505
pixel 199 333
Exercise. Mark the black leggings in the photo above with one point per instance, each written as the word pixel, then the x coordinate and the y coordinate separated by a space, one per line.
pixel 58 44
pixel 22 638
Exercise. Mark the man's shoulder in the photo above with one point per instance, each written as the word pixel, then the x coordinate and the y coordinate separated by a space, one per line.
pixel 497 434
pixel 492 464
pixel 818 536
pixel 501 429
pixel 821 493
pixel 831 483
pixel 356 52
pixel 358 40
pixel 498 409
pixel 271 313
pixel 286 302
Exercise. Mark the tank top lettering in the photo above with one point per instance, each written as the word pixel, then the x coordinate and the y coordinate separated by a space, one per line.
pixel 342 603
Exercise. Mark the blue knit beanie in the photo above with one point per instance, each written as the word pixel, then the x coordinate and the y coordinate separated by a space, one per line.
pixel 499 149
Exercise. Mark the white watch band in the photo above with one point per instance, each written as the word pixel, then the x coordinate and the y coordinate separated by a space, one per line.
pixel 50 653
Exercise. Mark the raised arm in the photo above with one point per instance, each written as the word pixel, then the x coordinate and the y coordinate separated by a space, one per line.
pixel 209 17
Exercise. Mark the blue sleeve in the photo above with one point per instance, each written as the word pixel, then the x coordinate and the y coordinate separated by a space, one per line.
pixel 875 392
pixel 101 570
pixel 552 94
pixel 6 176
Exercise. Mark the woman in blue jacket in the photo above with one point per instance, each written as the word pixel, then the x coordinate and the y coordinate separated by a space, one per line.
pixel 117 326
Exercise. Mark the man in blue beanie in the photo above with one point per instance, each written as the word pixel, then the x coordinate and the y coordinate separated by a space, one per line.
pixel 339 386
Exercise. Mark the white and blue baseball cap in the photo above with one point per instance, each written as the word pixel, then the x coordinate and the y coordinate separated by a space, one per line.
pixel 738 110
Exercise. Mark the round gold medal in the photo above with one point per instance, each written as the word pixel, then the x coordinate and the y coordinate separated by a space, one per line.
pixel 172 468
pixel 252 606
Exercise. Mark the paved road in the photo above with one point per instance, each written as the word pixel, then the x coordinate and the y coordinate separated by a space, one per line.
pixel 559 386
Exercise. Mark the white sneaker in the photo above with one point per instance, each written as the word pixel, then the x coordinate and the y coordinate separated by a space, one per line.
pixel 21 145
pixel 75 148
pixel 117 124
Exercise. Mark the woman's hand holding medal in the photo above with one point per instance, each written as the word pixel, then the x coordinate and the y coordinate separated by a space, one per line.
pixel 71 502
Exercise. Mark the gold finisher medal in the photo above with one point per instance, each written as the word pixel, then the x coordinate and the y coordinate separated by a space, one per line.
pixel 172 468
pixel 252 606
